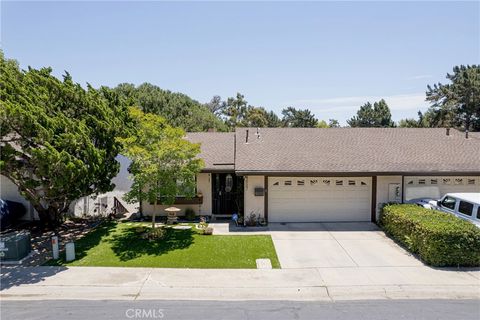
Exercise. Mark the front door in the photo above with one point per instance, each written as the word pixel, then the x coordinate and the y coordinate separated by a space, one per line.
pixel 224 187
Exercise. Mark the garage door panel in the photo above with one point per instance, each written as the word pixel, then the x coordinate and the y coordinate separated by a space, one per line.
pixel 317 201
pixel 437 186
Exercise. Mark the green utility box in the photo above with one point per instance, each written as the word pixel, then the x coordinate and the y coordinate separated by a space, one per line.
pixel 15 246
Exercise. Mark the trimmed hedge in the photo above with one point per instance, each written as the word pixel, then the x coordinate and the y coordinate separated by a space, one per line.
pixel 440 239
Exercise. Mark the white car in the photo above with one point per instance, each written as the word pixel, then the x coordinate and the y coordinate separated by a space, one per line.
pixel 463 205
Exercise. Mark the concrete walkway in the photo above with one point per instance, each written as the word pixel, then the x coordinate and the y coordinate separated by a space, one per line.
pixel 313 284
pixel 321 261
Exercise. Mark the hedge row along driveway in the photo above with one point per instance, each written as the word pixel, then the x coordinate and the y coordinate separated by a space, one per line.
pixel 440 239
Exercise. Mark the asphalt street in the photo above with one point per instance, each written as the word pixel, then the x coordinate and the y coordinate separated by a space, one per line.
pixel 265 310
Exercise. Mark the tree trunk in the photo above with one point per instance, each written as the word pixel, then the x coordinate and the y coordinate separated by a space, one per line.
pixel 153 213
pixel 50 217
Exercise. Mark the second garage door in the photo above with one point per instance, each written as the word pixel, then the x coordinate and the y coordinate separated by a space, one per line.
pixel 319 199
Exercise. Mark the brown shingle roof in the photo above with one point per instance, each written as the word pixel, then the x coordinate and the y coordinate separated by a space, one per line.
pixel 356 150
pixel 217 149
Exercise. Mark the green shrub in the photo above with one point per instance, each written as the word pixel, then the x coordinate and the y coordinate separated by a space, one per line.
pixel 155 234
pixel 189 214
pixel 440 239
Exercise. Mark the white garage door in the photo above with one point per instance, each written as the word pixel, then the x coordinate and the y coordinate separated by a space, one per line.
pixel 436 187
pixel 318 199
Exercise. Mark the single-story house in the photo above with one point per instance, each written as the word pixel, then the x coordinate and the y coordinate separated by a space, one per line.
pixel 334 174
pixel 100 204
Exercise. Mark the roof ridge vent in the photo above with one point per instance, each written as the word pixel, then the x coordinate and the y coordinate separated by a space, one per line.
pixel 448 131
pixel 246 137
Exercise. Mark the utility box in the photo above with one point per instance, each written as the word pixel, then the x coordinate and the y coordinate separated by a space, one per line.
pixel 15 246
pixel 259 191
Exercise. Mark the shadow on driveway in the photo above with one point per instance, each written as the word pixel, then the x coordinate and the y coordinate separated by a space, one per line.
pixel 323 226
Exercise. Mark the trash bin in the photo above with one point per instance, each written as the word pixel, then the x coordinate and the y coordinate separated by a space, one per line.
pixel 15 246
pixel 69 251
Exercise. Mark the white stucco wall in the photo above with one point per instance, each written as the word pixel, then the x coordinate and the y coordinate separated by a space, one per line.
pixel 9 191
pixel 383 190
pixel 123 181
pixel 252 203
pixel 204 186
pixel 90 205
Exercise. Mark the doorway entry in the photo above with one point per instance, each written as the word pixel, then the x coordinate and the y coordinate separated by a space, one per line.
pixel 227 191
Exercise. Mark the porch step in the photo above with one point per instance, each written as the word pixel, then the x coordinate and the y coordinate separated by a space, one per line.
pixel 223 217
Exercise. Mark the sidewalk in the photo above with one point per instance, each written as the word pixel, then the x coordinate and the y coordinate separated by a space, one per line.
pixel 316 284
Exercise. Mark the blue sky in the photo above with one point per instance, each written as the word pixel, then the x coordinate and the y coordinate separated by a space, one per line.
pixel 330 57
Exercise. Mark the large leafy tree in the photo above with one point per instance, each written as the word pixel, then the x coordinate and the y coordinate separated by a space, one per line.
pixel 164 164
pixel 376 115
pixel 57 138
pixel 179 109
pixel 456 104
pixel 298 118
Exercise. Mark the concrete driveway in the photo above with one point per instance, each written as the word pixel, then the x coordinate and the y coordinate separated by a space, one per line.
pixel 337 245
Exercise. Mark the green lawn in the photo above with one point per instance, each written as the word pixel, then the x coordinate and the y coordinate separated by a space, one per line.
pixel 115 244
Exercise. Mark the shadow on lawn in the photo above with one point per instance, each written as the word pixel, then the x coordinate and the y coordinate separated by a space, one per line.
pixel 129 244
pixel 89 241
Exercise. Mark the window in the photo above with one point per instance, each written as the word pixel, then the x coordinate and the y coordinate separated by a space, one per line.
pixel 363 183
pixel 433 181
pixel 449 203
pixel 421 181
pixel 326 182
pixel 276 183
pixel 351 182
pixel 410 182
pixel 185 188
pixel 478 212
pixel 300 182
pixel 313 182
pixel 465 208
pixel 228 183
pixel 287 183
pixel 339 182
pixel 458 181
pixel 447 181
pixel 471 181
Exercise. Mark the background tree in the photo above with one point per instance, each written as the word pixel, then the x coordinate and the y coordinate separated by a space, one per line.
pixel 255 117
pixel 216 106
pixel 164 164
pixel 273 121
pixel 298 118
pixel 377 115
pixel 413 123
pixel 58 139
pixel 322 124
pixel 457 104
pixel 179 109
pixel 333 123
pixel 235 111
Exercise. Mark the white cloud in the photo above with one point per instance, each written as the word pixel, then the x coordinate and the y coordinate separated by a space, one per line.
pixel 395 102
pixel 421 76
pixel 342 108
